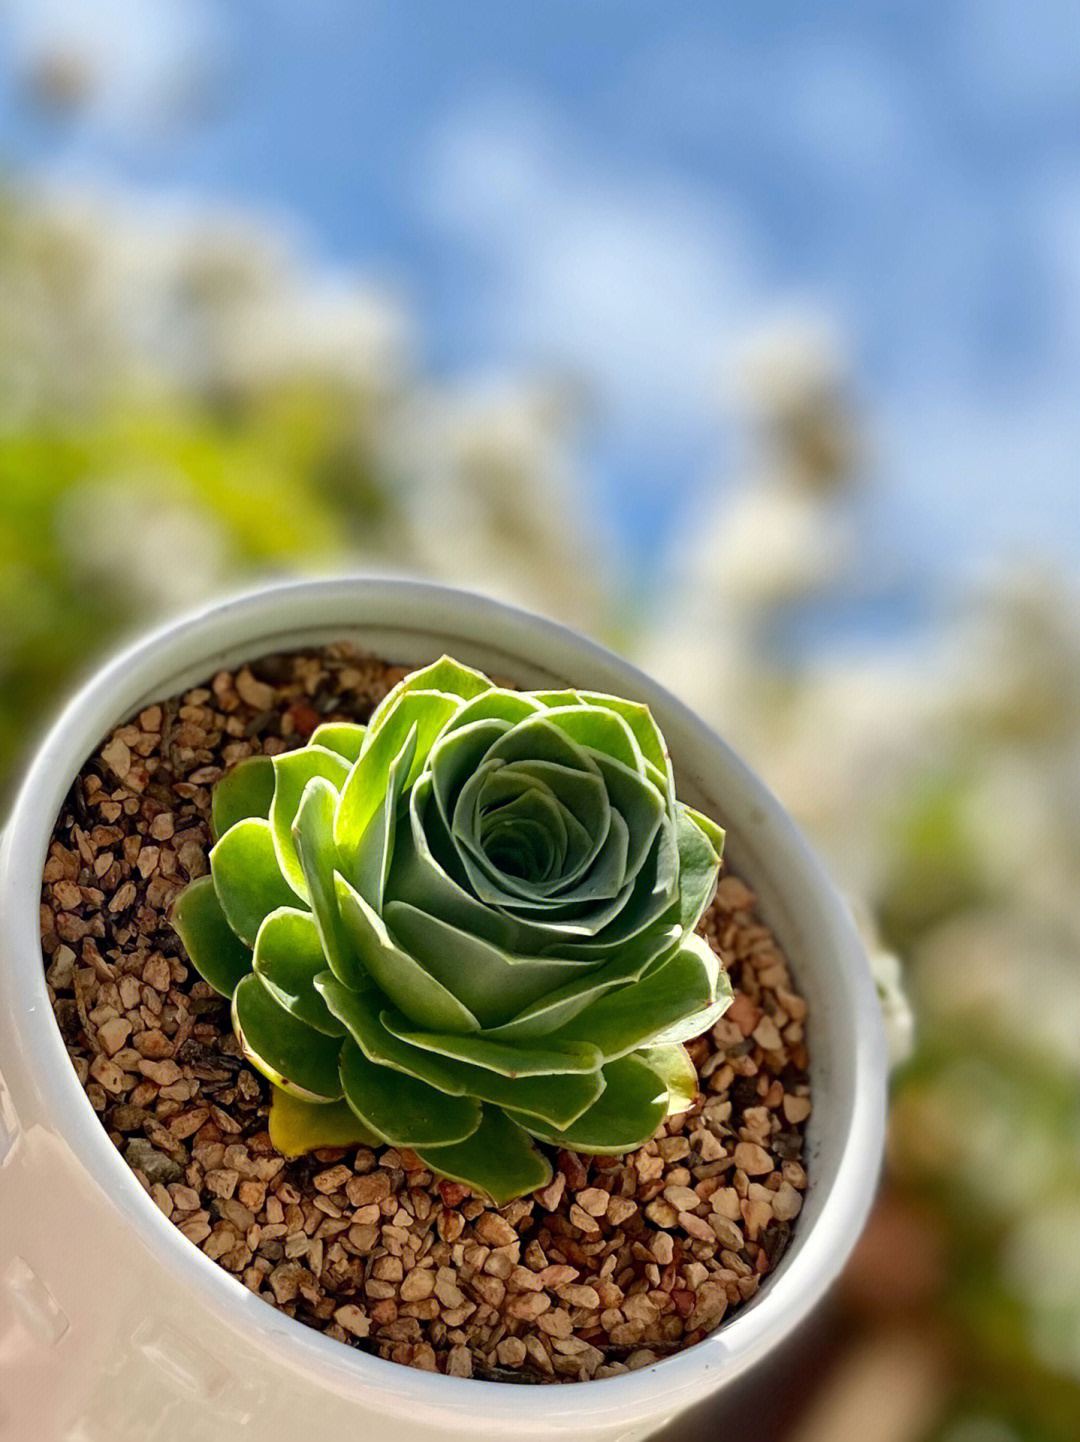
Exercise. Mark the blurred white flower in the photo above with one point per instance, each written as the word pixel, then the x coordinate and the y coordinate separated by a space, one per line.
pixel 140 539
pixel 791 379
pixel 770 544
pixel 494 504
pixel 782 538
pixel 331 330
pixel 1016 652
pixel 104 295
pixel 899 1018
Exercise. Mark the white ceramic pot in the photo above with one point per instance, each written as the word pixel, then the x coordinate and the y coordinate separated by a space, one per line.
pixel 114 1328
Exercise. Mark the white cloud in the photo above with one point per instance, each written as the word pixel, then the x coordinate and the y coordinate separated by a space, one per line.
pixel 633 280
pixel 826 98
pixel 131 70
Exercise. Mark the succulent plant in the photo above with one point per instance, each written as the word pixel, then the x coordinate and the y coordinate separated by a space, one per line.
pixel 464 928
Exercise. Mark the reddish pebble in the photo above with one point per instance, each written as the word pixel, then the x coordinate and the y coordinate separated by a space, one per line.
pixel 305 719
pixel 573 1169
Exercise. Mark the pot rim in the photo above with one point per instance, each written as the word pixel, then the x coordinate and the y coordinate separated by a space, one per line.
pixel 814 1258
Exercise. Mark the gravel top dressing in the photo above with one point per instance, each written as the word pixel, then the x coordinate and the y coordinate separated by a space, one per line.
pixel 619 1261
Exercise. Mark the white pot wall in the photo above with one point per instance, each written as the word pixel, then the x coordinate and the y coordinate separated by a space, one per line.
pixel 113 1328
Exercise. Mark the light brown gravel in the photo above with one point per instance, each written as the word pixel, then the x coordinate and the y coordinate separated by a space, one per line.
pixel 617 1262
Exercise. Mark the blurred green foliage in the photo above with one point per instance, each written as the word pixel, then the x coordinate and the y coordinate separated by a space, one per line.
pixel 262 488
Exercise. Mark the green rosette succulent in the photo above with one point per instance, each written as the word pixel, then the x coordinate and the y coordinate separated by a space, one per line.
pixel 465 928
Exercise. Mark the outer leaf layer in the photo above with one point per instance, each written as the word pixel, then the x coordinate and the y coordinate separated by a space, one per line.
pixel 246 789
pixel 630 1108
pixel 297 1126
pixel 247 878
pixel 216 952
pixel 401 1109
pixel 290 1053
pixel 499 1158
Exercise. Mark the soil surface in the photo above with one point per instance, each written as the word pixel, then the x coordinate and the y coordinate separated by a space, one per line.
pixel 617 1262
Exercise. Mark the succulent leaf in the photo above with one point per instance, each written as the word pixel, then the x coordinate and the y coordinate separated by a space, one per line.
pixel 247 877
pixel 314 839
pixel 445 675
pixel 640 720
pixel 603 733
pixel 677 1072
pixel 289 957
pixel 343 737
pixel 714 833
pixel 424 712
pixel 628 1111
pixel 495 984
pixel 671 1002
pixel 494 705
pixel 293 1055
pixel 297 1126
pixel 402 1109
pixel 245 790
pixel 292 772
pixel 555 699
pixel 560 1006
pixel 499 1158
pixel 508 1060
pixel 361 1013
pixel 693 1023
pixel 402 978
pixel 375 849
pixel 216 952
pixel 558 1099
pixel 698 862
pixel 465 926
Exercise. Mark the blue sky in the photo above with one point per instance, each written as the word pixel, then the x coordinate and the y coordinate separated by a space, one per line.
pixel 625 190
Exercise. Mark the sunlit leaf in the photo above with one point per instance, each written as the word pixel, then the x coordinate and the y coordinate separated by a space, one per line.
pixel 673 1065
pixel 247 877
pixel 627 1113
pixel 290 1053
pixel 292 772
pixel 343 737
pixel 314 840
pixel 297 1126
pixel 214 949
pixel 288 957
pixel 400 976
pixel 401 1109
pixel 246 789
pixel 499 1158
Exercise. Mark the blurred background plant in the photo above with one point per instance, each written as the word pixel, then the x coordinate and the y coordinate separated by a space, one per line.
pixel 753 350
